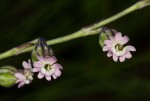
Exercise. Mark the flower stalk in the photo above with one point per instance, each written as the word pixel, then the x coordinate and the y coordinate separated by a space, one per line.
pixel 92 30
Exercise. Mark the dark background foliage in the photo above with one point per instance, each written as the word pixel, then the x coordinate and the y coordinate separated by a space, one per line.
pixel 88 74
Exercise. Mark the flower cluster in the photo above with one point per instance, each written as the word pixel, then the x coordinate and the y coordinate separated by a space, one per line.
pixel 115 47
pixel 44 62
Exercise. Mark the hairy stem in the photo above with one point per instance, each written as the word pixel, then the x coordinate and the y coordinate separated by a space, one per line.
pixel 92 30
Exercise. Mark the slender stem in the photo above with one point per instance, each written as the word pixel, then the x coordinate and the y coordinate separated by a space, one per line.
pixel 81 33
pixel 92 30
pixel 134 7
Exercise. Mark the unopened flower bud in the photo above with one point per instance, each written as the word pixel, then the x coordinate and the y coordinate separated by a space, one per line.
pixel 7 77
pixel 41 49
pixel 104 35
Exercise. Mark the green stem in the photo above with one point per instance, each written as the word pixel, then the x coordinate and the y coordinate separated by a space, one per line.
pixel 134 7
pixel 92 30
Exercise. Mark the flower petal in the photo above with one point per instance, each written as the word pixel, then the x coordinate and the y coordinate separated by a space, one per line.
pixel 38 64
pixel 128 55
pixel 54 76
pixel 48 73
pixel 112 39
pixel 130 48
pixel 43 70
pixel 36 69
pixel 122 58
pixel 29 63
pixel 25 65
pixel 27 81
pixel 109 54
pixel 21 84
pixel 118 36
pixel 56 65
pixel 125 39
pixel 108 42
pixel 57 72
pixel 51 60
pixel 115 58
pixel 106 48
pixel 40 58
pixel 40 75
pixel 48 78
pixel 18 81
pixel 20 76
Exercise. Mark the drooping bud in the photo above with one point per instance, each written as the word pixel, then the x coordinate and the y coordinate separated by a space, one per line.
pixel 7 77
pixel 104 35
pixel 41 49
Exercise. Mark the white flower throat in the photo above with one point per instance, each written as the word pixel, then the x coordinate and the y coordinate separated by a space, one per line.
pixel 119 47
pixel 28 74
pixel 48 67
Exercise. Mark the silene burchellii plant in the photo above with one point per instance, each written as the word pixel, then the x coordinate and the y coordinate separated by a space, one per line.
pixel 43 62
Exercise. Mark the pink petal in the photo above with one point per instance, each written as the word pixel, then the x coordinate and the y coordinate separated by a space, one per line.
pixel 36 69
pixel 29 63
pixel 128 55
pixel 115 58
pixel 130 48
pixel 21 84
pixel 38 64
pixel 112 38
pixel 56 65
pixel 48 78
pixel 57 72
pixel 25 65
pixel 40 58
pixel 106 48
pixel 20 76
pixel 48 73
pixel 18 81
pixel 40 75
pixel 108 42
pixel 122 59
pixel 118 36
pixel 51 60
pixel 54 76
pixel 109 54
pixel 125 39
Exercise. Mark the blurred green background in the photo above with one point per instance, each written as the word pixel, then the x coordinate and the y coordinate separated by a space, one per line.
pixel 88 74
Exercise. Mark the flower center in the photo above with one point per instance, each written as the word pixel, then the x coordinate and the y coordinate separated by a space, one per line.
pixel 119 47
pixel 28 74
pixel 47 67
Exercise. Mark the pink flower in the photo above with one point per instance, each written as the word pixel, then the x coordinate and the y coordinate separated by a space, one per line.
pixel 47 66
pixel 26 76
pixel 116 49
